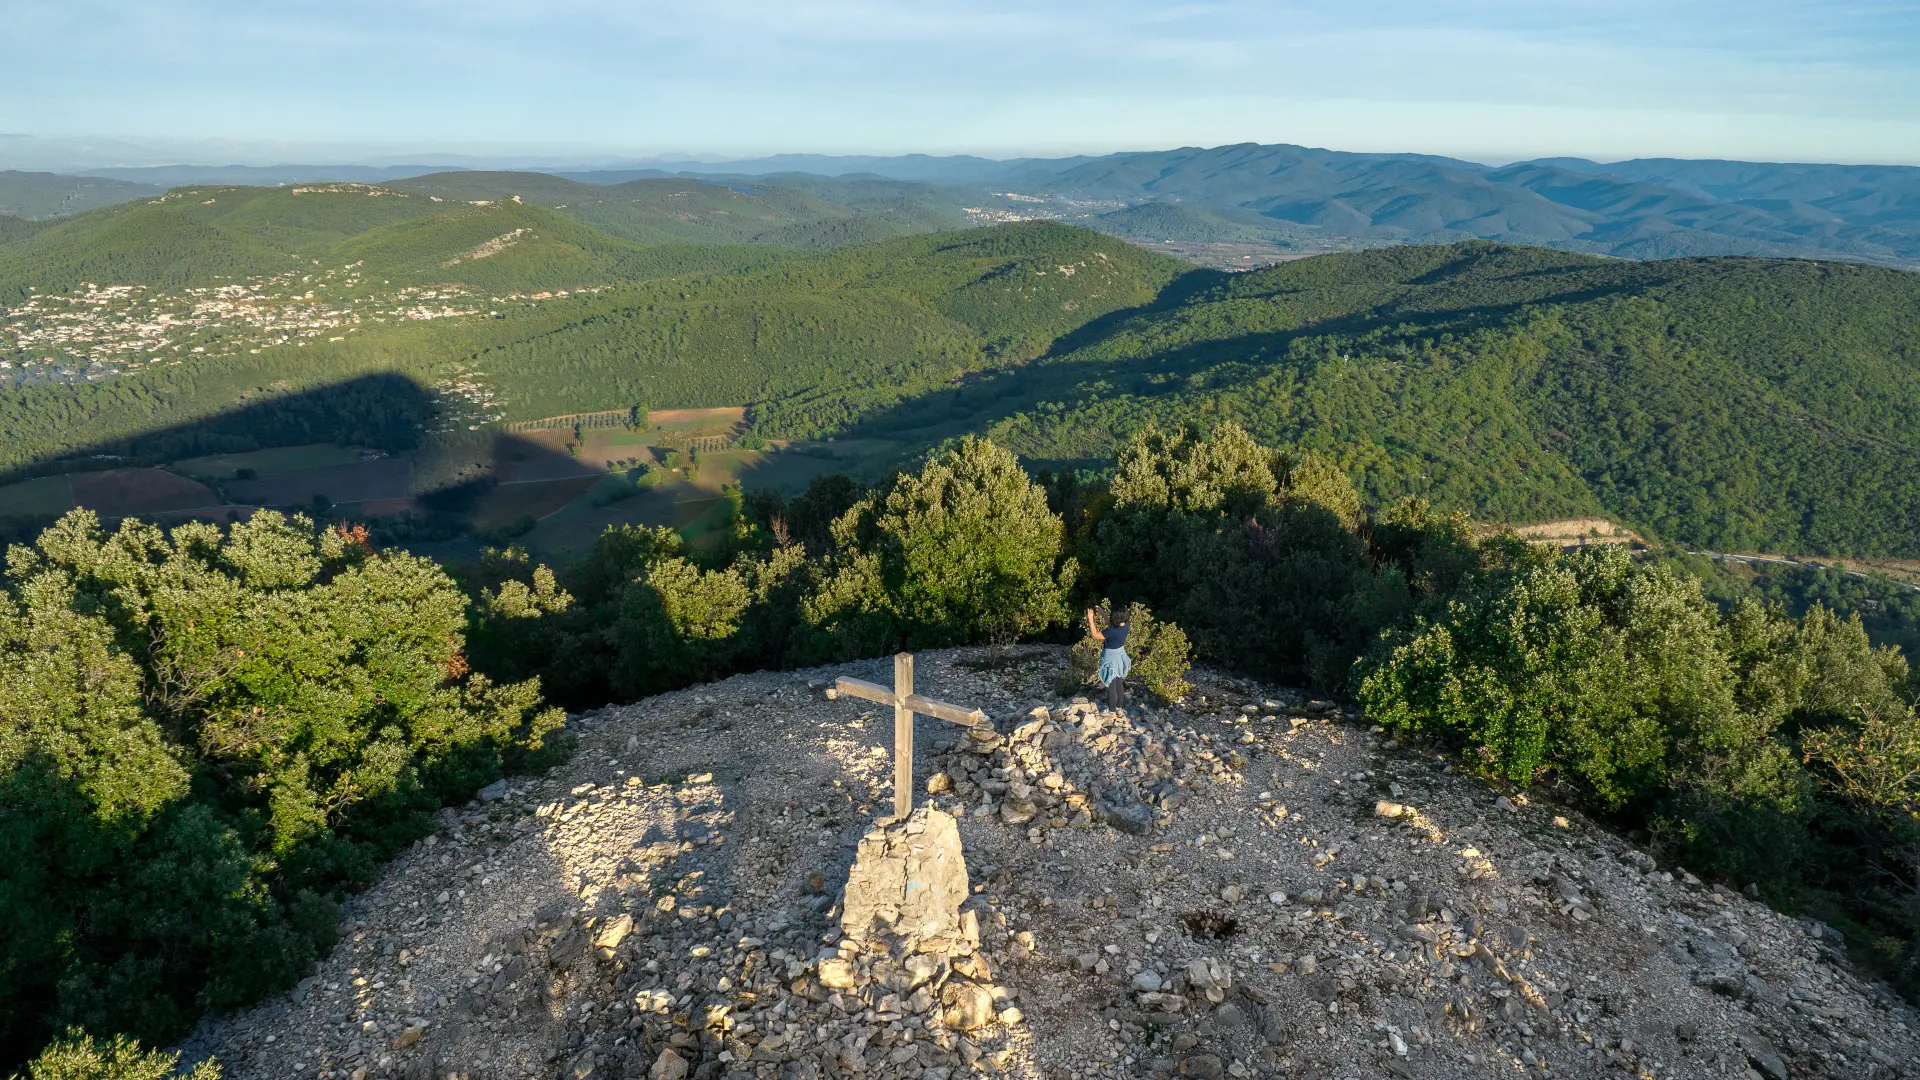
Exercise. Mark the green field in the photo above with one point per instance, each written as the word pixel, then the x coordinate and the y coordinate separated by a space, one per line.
pixel 41 497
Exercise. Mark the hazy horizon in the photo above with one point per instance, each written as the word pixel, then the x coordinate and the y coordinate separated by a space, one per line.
pixel 579 81
pixel 85 155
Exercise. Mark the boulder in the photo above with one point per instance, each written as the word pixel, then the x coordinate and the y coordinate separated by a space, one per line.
pixel 668 1066
pixel 611 933
pixel 969 1005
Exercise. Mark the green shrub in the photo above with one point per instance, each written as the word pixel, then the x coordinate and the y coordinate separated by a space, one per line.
pixel 210 734
pixel 1253 551
pixel 1624 682
pixel 1160 654
pixel 964 550
pixel 1617 677
pixel 78 1057
pixel 677 625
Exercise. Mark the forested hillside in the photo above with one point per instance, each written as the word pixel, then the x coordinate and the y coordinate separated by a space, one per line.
pixel 199 237
pixel 37 195
pixel 1738 403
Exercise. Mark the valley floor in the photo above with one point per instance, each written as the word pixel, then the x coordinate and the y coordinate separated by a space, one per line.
pixel 1252 884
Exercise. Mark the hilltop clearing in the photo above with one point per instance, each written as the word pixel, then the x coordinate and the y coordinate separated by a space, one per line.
pixel 1251 884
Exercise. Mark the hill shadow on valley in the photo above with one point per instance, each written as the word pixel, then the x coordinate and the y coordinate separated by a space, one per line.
pixel 378 416
pixel 385 411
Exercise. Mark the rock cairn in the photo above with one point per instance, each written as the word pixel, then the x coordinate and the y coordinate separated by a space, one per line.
pixel 908 880
pixel 1252 884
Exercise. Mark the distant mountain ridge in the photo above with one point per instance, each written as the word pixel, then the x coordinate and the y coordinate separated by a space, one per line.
pixel 1287 195
pixel 1644 208
pixel 36 196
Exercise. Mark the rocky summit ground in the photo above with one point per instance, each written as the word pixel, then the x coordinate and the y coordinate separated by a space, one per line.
pixel 1248 884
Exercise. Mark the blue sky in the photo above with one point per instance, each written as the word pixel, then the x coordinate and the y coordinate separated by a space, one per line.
pixel 1495 80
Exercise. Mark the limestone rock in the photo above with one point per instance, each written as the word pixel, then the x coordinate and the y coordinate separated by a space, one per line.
pixel 836 973
pixel 736 965
pixel 969 1005
pixel 668 1066
pixel 611 934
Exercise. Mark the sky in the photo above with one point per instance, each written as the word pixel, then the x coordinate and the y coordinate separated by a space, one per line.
pixel 218 81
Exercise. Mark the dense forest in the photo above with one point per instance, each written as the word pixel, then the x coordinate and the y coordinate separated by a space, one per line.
pixel 1741 404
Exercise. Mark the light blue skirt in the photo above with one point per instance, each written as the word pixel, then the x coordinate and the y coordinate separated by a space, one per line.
pixel 1114 664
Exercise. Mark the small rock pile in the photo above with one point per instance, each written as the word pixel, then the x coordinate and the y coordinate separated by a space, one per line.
pixel 1075 768
pixel 1250 884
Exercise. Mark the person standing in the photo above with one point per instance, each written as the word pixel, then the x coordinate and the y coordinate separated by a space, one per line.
pixel 1114 662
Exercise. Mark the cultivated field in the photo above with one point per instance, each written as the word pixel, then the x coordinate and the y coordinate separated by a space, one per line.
pixel 44 496
pixel 127 492
pixel 360 481
pixel 572 487
pixel 536 499
pixel 704 421
pixel 280 459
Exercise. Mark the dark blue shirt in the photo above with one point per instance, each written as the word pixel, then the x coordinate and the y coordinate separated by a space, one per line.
pixel 1116 637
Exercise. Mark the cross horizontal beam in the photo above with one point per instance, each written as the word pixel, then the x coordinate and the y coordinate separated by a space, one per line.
pixel 905 703
pixel 919 703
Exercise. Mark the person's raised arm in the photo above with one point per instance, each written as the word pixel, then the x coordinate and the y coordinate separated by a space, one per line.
pixel 1092 627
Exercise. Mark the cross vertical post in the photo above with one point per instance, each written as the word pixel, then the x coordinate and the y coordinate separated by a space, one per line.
pixel 902 735
pixel 905 704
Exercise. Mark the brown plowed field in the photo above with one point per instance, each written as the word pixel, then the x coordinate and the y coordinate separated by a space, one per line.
pixel 126 492
pixel 509 503
pixel 717 418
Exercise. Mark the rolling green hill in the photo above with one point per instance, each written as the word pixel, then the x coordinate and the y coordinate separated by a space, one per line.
pixel 413 231
pixel 1741 403
pixel 199 236
pixel 674 210
pixel 815 343
pixel 510 246
pixel 39 195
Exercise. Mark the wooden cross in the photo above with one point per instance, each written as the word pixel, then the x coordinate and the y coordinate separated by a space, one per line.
pixel 905 703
